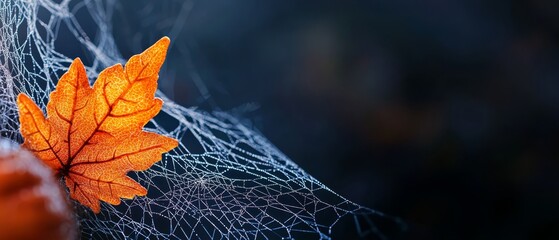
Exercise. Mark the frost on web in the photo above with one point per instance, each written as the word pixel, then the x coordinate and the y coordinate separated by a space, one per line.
pixel 224 181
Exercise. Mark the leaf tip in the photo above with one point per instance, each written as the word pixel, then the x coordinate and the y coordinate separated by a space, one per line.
pixel 23 100
pixel 174 143
pixel 78 64
pixel 162 44
pixel 164 40
pixel 142 192
pixel 19 96
pixel 77 60
pixel 96 208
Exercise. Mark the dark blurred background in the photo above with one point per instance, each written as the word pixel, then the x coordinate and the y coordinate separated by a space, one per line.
pixel 443 113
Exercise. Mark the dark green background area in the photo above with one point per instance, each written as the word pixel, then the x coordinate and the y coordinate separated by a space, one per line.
pixel 444 113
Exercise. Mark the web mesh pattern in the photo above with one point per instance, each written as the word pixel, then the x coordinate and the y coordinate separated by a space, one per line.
pixel 224 181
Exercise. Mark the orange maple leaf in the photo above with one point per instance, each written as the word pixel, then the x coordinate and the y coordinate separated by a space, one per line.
pixel 92 137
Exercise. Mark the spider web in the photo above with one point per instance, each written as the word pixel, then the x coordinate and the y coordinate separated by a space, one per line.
pixel 224 181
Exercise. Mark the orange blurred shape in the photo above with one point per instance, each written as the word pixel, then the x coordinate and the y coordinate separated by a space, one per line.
pixel 32 205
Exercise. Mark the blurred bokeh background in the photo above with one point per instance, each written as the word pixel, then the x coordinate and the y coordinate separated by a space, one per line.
pixel 443 113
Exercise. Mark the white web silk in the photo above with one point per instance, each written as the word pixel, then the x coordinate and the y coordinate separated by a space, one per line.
pixel 224 181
